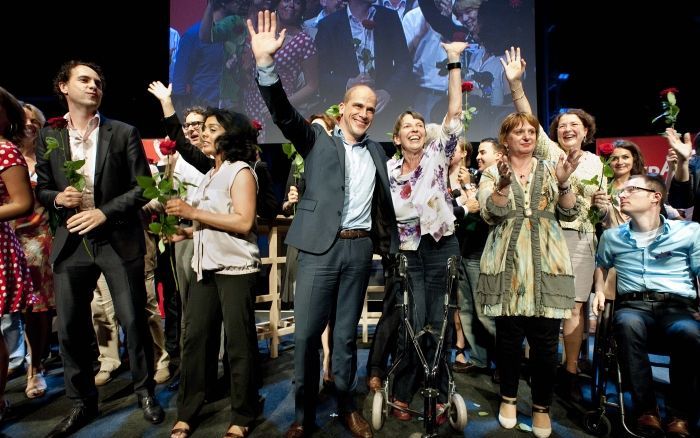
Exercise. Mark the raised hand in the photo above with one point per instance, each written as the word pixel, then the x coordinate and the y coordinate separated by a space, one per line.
pixel 514 65
pixel 159 90
pixel 504 173
pixel 454 50
pixel 683 149
pixel 567 164
pixel 265 42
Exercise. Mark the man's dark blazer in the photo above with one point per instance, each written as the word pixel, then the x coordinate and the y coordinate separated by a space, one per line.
pixel 120 158
pixel 338 62
pixel 317 219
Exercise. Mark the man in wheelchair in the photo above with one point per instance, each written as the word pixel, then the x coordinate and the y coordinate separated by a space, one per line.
pixel 657 263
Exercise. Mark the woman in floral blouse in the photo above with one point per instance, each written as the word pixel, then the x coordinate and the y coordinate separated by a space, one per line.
pixel 572 129
pixel 526 280
pixel 423 205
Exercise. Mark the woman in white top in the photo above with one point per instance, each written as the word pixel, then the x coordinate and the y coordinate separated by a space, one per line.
pixel 226 260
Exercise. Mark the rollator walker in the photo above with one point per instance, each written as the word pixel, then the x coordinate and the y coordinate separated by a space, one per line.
pixel 455 407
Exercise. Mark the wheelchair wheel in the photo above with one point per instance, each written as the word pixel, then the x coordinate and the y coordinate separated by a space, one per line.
pixel 597 423
pixel 458 413
pixel 378 414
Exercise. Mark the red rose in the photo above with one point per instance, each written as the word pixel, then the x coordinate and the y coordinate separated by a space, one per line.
pixel 467 86
pixel 606 148
pixel 459 36
pixel 57 122
pixel 368 24
pixel 167 147
pixel 406 191
pixel 664 92
pixel 256 125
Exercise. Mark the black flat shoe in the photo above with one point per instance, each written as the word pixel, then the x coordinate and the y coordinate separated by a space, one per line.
pixel 79 417
pixel 152 412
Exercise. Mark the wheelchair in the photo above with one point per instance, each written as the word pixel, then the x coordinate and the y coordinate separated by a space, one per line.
pixel 455 408
pixel 605 366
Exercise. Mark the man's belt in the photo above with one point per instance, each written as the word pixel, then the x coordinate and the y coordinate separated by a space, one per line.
pixel 654 296
pixel 352 234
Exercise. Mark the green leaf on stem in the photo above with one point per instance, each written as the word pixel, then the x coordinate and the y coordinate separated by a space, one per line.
pixel 145 181
pixel 151 193
pixel 154 227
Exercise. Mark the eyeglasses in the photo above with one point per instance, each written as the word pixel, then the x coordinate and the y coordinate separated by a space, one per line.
pixel 193 124
pixel 632 189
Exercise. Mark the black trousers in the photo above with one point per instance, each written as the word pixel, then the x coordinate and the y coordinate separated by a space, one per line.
pixel 386 333
pixel 543 336
pixel 217 298
pixel 336 279
pixel 172 304
pixel 670 324
pixel 75 278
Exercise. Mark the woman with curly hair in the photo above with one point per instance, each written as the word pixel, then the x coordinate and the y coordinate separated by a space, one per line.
pixel 226 260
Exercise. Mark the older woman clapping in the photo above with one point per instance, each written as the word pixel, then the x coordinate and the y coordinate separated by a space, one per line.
pixel 526 278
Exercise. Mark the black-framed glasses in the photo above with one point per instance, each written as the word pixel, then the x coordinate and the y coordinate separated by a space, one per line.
pixel 632 189
pixel 193 124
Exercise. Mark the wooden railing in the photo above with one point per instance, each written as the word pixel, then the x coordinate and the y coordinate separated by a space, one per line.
pixel 277 326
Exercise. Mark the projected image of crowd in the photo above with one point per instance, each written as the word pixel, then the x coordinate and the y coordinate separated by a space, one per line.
pixel 499 267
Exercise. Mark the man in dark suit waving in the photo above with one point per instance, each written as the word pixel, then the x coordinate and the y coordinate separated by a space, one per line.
pixel 344 215
pixel 99 232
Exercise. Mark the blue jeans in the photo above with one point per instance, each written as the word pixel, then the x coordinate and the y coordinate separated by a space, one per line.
pixel 427 282
pixel 672 325
pixel 468 278
pixel 13 332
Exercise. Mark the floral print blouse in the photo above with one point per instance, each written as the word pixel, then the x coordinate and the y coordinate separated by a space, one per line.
pixel 525 267
pixel 421 198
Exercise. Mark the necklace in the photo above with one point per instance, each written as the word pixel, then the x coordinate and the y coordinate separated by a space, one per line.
pixel 523 175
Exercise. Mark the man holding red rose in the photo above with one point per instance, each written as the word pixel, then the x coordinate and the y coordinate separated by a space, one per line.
pixel 102 235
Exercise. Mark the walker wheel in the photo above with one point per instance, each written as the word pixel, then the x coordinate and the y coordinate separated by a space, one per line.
pixel 597 423
pixel 458 413
pixel 378 414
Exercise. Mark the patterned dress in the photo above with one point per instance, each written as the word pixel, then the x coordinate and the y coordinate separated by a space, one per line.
pixel 34 235
pixel 288 64
pixel 15 278
pixel 525 267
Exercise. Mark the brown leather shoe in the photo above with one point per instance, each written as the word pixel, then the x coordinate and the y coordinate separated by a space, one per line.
pixel 374 383
pixel 401 415
pixel 649 425
pixel 296 430
pixel 677 428
pixel 357 425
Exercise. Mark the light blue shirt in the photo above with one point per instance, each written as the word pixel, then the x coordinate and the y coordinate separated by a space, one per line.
pixel 669 263
pixel 360 175
pixel 360 171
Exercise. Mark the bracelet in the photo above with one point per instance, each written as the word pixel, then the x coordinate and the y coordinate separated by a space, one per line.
pixel 564 190
pixel 452 65
pixel 522 94
pixel 501 193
